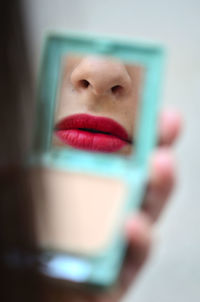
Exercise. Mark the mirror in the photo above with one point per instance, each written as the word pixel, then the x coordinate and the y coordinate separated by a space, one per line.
pixel 97 104
pixel 96 109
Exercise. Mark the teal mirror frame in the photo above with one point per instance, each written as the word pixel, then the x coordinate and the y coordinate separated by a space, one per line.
pixel 100 270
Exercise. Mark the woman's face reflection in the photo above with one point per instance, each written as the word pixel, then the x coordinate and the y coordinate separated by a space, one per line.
pixel 97 104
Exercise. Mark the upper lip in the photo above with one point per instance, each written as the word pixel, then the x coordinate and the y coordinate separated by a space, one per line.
pixel 93 123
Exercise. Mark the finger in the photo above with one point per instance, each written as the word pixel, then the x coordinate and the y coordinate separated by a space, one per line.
pixel 161 183
pixel 169 127
pixel 138 231
pixel 139 234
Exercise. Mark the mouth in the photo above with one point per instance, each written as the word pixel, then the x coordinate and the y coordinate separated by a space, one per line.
pixel 92 133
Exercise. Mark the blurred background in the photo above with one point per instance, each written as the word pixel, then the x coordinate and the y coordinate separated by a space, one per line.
pixel 173 270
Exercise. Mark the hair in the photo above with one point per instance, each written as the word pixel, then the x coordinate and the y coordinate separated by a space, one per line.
pixel 17 239
pixel 19 278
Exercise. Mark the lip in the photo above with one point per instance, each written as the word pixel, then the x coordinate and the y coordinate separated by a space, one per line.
pixel 92 133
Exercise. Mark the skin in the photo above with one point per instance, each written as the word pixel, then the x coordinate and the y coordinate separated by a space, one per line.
pixel 100 86
pixel 138 228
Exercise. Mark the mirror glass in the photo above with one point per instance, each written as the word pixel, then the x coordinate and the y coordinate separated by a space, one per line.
pixel 97 104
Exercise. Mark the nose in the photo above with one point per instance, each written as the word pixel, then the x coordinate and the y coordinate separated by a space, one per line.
pixel 101 76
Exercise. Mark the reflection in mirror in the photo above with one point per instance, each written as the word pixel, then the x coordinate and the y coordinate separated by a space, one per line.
pixel 97 104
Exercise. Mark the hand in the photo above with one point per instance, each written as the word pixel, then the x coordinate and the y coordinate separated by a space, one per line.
pixel 139 228
pixel 161 183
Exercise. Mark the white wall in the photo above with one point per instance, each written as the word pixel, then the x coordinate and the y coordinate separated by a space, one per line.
pixel 173 272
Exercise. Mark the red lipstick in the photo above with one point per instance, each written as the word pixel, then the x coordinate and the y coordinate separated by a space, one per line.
pixel 92 133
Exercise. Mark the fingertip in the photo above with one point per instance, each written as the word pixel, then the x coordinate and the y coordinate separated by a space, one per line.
pixel 170 126
pixel 139 230
pixel 162 166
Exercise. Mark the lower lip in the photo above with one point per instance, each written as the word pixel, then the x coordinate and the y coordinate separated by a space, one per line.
pixel 90 141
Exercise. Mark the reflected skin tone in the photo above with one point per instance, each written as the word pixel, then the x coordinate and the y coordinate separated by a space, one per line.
pixel 105 90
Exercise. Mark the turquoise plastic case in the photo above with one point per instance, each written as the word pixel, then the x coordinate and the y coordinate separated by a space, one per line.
pixel 100 270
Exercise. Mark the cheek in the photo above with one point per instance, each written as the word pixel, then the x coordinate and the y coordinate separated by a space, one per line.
pixel 66 102
pixel 129 112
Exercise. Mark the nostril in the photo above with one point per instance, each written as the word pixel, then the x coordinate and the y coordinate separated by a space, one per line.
pixel 83 83
pixel 117 89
